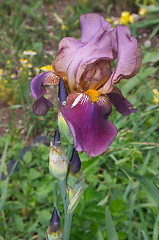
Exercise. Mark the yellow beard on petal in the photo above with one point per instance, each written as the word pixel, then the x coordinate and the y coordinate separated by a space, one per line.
pixel 47 68
pixel 93 94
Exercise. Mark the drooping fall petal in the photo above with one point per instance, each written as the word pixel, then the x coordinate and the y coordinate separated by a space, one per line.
pixel 122 105
pixel 88 122
pixel 42 105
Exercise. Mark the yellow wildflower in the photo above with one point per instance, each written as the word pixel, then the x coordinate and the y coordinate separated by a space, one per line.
pixel 36 69
pixel 29 53
pixel 63 27
pixel 47 68
pixel 13 75
pixel 5 81
pixel 142 12
pixel 29 65
pixel 9 61
pixel 126 18
pixel 23 60
pixel 1 71
pixel 156 96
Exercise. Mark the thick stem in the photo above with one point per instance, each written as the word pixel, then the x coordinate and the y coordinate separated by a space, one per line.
pixel 67 226
pixel 68 217
pixel 63 191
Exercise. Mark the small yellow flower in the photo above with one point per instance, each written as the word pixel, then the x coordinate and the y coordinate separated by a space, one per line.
pixel 13 75
pixel 25 52
pixel 47 68
pixel 126 18
pixel 5 81
pixel 131 19
pixel 63 27
pixel 9 61
pixel 142 12
pixel 29 65
pixel 23 60
pixel 36 69
pixel 29 53
pixel 156 96
pixel 1 71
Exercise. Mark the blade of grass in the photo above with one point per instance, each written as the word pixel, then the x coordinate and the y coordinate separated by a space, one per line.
pixel 150 189
pixel 156 229
pixel 3 157
pixel 111 231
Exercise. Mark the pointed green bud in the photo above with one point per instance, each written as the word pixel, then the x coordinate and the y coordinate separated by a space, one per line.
pixel 54 231
pixel 64 129
pixel 58 164
pixel 75 181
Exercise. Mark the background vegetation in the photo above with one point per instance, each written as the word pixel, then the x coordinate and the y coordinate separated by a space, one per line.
pixel 125 178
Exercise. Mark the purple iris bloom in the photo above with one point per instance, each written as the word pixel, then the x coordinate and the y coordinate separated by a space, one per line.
pixel 85 66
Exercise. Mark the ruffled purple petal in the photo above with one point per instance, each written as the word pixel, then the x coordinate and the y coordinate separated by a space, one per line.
pixel 122 105
pixel 129 57
pixel 91 131
pixel 99 24
pixel 75 55
pixel 38 82
pixel 41 106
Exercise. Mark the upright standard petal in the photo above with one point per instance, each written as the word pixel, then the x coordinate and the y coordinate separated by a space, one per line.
pixel 75 55
pixel 122 105
pixel 91 131
pixel 98 24
pixel 129 57
pixel 42 105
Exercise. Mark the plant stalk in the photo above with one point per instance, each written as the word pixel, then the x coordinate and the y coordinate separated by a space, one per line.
pixel 67 226
pixel 68 217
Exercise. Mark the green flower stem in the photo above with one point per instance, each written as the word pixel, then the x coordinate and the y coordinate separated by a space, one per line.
pixel 67 226
pixel 68 217
pixel 63 191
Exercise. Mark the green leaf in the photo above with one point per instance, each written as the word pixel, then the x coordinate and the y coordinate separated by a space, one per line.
pixel 150 189
pixel 111 232
pixel 156 229
pixel 44 217
pixel 144 235
pixel 3 157
pixel 18 223
pixel 151 57
pixel 3 194
pixel 33 174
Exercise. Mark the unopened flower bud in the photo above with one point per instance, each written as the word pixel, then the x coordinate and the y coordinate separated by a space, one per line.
pixel 75 181
pixel 54 231
pixel 58 163
pixel 62 94
pixel 64 127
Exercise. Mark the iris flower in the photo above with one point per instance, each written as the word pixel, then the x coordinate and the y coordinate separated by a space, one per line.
pixel 85 67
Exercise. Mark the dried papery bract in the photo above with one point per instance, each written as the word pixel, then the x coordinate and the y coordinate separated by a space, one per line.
pixel 58 163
